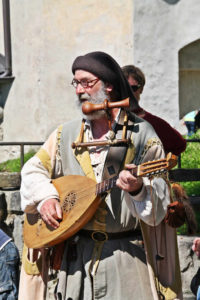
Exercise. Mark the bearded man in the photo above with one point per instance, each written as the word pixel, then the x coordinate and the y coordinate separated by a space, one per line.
pixel 106 259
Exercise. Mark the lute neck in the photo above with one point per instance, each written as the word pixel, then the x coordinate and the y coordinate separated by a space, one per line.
pixel 108 184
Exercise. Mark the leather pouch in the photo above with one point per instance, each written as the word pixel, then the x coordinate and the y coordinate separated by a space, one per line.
pixel 175 216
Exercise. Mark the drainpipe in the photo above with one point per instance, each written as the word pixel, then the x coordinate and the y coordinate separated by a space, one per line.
pixel 7 39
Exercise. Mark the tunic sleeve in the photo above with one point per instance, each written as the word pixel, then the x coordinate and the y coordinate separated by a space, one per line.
pixel 36 176
pixel 150 204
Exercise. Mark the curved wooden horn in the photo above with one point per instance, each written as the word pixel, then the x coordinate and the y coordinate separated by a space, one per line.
pixel 88 107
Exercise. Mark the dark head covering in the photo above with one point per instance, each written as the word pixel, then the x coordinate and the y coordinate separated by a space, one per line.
pixel 107 69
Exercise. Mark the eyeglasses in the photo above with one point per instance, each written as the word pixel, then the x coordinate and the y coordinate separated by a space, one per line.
pixel 135 87
pixel 84 83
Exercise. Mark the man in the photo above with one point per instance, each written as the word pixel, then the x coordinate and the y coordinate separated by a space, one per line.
pixel 189 121
pixel 9 266
pixel 195 283
pixel 106 259
pixel 171 139
pixel 197 120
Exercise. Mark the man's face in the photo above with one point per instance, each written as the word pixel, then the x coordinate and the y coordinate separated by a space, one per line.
pixel 93 85
pixel 136 88
pixel 90 88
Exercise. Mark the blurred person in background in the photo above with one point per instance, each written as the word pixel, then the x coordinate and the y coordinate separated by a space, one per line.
pixel 189 121
pixel 9 267
pixel 171 139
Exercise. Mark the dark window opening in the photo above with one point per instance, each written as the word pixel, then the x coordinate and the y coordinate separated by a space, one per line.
pixel 6 59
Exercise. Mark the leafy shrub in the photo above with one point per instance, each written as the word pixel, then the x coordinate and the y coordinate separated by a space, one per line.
pixel 14 165
pixel 190 159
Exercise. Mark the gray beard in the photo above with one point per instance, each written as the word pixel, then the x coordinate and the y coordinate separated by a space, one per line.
pixel 97 98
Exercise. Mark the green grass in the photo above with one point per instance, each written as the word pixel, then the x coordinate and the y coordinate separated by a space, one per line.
pixel 190 159
pixel 14 165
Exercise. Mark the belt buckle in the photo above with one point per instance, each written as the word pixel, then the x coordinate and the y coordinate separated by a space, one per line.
pixel 101 236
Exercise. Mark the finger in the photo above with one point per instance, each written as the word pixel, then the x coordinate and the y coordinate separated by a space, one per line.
pixel 196 243
pixel 51 220
pixel 58 211
pixel 123 184
pixel 130 166
pixel 55 211
pixel 195 240
pixel 128 181
pixel 125 175
pixel 119 184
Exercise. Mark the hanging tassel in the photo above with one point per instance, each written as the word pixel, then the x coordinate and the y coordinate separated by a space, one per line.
pixel 180 210
pixel 180 195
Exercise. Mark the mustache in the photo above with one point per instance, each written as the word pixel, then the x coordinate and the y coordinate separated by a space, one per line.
pixel 93 100
pixel 84 97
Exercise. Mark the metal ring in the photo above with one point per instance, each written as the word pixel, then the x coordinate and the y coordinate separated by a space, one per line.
pixel 104 236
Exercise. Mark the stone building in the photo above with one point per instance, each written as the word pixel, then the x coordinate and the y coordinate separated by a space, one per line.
pixel 162 37
pixel 159 36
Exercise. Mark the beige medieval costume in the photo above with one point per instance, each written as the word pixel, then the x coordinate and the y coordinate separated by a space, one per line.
pixel 116 268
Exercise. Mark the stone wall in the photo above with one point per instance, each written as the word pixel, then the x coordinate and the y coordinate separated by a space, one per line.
pixel 46 38
pixel 11 215
pixel 189 264
pixel 161 29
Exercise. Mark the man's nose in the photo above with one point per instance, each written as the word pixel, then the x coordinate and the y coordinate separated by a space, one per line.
pixel 80 89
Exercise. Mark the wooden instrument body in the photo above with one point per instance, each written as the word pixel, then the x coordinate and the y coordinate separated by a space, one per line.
pixel 79 201
pixel 78 207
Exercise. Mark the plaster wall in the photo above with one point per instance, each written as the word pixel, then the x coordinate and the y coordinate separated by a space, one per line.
pixel 161 29
pixel 46 38
pixel 1 31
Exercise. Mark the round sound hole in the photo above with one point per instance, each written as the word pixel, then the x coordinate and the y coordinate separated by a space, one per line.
pixel 69 202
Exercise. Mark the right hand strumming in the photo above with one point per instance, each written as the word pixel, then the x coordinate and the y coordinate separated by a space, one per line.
pixel 51 212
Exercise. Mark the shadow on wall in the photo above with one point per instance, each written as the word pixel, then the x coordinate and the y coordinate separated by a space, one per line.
pixel 5 86
pixel 5 81
pixel 172 1
pixel 3 215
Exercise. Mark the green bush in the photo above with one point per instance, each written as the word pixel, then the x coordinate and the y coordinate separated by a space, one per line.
pixel 14 165
pixel 190 159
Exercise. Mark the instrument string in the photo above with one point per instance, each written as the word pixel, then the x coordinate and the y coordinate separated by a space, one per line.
pixel 92 190
pixel 106 185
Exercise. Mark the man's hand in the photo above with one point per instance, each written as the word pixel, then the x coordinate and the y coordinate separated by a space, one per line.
pixel 129 182
pixel 196 246
pixel 51 212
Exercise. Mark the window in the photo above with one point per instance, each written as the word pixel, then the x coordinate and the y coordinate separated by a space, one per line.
pixel 5 36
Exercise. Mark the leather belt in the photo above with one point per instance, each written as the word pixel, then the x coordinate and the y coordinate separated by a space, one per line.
pixel 101 236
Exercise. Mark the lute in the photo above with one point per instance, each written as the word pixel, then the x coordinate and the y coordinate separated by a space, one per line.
pixel 80 196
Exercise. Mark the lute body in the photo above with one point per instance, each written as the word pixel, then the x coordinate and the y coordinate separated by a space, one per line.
pixel 78 208
pixel 80 197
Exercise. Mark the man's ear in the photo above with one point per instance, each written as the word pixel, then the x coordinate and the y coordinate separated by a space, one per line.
pixel 109 87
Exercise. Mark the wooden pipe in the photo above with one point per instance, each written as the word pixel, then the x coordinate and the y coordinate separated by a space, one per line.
pixel 88 107
pixel 114 142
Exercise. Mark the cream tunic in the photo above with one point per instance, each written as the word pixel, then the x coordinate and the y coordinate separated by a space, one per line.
pixel 121 272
